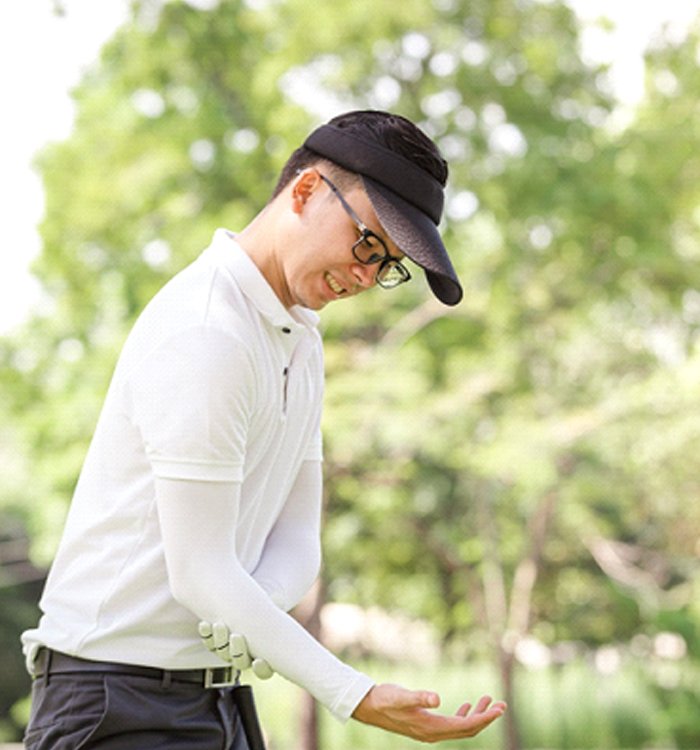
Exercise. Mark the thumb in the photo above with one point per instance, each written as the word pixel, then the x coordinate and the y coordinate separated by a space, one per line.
pixel 395 696
pixel 426 698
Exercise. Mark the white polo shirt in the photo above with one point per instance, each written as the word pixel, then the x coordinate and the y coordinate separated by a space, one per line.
pixel 217 381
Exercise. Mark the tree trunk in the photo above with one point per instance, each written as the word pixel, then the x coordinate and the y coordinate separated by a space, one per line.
pixel 511 729
pixel 308 724
pixel 509 617
pixel 493 580
pixel 309 615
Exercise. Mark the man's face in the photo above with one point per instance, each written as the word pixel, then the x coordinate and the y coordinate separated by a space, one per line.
pixel 324 268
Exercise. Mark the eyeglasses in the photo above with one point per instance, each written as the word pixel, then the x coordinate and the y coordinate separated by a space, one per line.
pixel 370 248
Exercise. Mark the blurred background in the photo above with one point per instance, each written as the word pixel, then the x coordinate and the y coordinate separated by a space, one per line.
pixel 512 485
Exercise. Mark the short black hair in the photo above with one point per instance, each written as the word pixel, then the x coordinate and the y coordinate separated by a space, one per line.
pixel 390 130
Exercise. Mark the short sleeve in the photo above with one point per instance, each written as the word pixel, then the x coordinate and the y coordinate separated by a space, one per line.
pixel 191 398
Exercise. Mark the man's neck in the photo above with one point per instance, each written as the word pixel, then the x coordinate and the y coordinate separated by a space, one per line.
pixel 258 241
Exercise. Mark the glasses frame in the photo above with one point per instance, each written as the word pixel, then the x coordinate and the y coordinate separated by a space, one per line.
pixel 387 262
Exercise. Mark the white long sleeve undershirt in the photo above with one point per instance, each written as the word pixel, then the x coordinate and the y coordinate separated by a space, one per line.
pixel 206 576
pixel 291 557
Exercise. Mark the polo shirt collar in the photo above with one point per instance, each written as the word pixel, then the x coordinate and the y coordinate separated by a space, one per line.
pixel 256 288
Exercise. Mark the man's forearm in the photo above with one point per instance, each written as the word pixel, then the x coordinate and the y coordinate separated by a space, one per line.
pixel 207 578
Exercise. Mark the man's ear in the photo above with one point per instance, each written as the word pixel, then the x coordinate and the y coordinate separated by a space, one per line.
pixel 303 187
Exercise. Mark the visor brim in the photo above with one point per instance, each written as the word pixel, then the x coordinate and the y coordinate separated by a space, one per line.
pixel 415 234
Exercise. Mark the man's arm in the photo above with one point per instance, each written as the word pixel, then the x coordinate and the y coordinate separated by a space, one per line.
pixel 198 521
pixel 388 707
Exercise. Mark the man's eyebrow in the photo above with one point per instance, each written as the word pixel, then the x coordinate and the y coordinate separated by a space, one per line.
pixel 388 242
pixel 385 241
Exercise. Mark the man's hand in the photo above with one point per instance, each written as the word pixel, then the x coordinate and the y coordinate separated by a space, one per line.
pixel 232 648
pixel 407 712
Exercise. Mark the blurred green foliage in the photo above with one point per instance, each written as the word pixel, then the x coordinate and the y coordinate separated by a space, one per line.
pixel 522 465
pixel 571 706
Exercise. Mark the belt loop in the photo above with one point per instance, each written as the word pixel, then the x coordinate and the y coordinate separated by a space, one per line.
pixel 167 679
pixel 47 666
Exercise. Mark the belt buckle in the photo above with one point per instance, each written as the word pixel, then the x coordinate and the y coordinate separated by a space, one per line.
pixel 229 677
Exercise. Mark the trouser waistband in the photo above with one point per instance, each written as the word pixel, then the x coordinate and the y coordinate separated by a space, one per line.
pixel 50 662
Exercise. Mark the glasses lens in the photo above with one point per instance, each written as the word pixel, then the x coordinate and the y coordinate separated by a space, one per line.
pixel 392 273
pixel 369 249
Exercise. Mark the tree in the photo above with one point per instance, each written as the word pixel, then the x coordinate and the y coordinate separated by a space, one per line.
pixel 501 460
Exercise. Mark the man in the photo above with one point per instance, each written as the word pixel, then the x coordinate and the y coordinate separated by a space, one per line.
pixel 200 496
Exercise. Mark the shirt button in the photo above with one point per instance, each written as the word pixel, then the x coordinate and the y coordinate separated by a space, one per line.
pixel 286 330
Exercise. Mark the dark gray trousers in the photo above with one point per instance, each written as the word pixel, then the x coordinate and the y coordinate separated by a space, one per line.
pixel 92 711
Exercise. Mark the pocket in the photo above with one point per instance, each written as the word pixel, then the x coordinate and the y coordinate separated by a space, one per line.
pixel 151 714
pixel 93 721
pixel 65 712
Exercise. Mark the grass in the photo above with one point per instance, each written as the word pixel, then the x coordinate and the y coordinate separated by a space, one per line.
pixel 566 708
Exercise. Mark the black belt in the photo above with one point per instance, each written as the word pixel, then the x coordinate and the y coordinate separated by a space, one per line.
pixel 51 662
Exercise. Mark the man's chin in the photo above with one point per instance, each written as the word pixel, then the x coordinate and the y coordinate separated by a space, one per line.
pixel 315 303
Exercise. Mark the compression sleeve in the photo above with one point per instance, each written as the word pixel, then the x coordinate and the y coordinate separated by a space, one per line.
pixel 291 557
pixel 213 585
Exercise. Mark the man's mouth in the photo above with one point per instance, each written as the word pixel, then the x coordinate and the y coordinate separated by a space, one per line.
pixel 334 285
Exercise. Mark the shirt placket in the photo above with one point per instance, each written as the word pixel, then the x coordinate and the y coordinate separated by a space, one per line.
pixel 290 343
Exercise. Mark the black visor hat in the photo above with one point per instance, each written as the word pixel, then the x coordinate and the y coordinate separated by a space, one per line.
pixel 408 201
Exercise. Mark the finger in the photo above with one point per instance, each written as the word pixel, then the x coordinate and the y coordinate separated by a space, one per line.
pixel 489 716
pixel 464 709
pixel 238 649
pixel 220 636
pixel 418 699
pixel 30 657
pixel 483 704
pixel 430 699
pixel 206 634
pixel 481 720
pixel 261 669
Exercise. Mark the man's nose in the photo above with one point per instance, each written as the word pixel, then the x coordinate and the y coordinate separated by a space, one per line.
pixel 365 275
